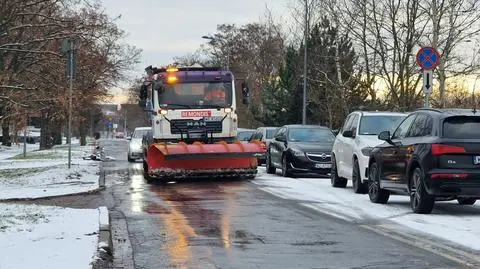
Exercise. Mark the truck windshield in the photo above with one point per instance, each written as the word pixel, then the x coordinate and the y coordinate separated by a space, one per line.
pixel 197 94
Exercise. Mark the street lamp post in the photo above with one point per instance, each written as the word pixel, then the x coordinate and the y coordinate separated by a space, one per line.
pixel 225 44
pixel 304 111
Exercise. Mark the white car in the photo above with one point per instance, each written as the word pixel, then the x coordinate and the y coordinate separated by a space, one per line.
pixel 135 150
pixel 353 144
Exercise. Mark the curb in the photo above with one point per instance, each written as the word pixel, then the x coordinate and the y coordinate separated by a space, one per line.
pixel 104 252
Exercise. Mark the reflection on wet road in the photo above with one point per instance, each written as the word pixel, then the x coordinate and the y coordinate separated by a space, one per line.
pixel 232 224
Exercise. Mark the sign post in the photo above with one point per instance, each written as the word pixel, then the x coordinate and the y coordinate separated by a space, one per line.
pixel 428 58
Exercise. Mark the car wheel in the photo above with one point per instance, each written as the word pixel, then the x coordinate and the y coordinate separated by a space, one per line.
pixel 420 201
pixel 335 180
pixel 285 170
pixel 375 193
pixel 268 165
pixel 358 185
pixel 466 201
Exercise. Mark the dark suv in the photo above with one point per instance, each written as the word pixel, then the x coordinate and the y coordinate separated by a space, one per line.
pixel 432 155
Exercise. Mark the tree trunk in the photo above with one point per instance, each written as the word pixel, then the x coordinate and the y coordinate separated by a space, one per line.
pixel 441 85
pixel 46 140
pixel 83 134
pixel 57 134
pixel 6 133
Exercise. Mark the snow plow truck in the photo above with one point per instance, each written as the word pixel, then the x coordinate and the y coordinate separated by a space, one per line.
pixel 194 125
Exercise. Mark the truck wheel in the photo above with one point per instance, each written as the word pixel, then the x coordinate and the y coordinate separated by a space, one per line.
pixel 358 185
pixel 145 172
pixel 335 180
pixel 268 165
pixel 375 193
pixel 420 201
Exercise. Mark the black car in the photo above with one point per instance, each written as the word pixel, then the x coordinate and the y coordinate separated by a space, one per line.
pixel 432 155
pixel 304 149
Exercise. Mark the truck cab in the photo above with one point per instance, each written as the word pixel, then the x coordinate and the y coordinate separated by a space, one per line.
pixel 192 104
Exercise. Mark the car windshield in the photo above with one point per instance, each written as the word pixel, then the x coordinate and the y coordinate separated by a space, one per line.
pixel 270 133
pixel 201 94
pixel 373 125
pixel 311 135
pixel 244 135
pixel 462 127
pixel 139 133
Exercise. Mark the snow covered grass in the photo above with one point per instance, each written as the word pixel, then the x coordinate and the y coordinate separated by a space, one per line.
pixel 45 173
pixel 33 236
pixel 40 237
pixel 449 221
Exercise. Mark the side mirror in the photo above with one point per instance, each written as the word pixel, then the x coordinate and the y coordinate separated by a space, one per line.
pixel 142 103
pixel 157 85
pixel 385 136
pixel 280 139
pixel 335 132
pixel 129 138
pixel 143 92
pixel 348 134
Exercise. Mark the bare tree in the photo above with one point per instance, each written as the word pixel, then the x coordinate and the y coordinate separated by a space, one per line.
pixel 451 23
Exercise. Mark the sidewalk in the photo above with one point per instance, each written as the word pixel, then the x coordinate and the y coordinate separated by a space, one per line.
pixel 52 237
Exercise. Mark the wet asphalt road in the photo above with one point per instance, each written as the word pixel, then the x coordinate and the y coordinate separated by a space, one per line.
pixel 232 224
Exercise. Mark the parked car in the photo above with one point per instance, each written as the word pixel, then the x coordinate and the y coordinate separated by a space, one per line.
pixel 433 155
pixel 265 135
pixel 353 144
pixel 243 134
pixel 135 148
pixel 300 149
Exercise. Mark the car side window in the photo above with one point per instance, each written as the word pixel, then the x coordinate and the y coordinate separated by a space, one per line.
pixel 354 124
pixel 281 132
pixel 347 123
pixel 421 126
pixel 403 128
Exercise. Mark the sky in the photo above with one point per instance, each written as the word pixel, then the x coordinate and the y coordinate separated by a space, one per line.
pixel 165 29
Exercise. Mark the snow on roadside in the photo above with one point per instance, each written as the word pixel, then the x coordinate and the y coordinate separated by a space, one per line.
pixel 8 152
pixel 45 173
pixel 44 237
pixel 449 221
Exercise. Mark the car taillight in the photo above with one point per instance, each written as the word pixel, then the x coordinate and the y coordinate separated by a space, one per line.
pixel 448 176
pixel 440 149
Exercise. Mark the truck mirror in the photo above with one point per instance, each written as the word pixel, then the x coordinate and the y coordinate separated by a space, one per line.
pixel 143 92
pixel 157 85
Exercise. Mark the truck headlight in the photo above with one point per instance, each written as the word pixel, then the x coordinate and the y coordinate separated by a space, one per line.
pixel 228 110
pixel 366 151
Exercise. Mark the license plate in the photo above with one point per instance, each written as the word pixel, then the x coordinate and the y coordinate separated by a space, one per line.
pixel 323 165
pixel 476 159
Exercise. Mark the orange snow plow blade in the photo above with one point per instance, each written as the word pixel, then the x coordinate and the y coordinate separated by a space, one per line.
pixel 203 160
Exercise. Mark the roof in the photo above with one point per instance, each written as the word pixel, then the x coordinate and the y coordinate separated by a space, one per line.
pixel 382 113
pixel 305 126
pixel 452 111
pixel 267 127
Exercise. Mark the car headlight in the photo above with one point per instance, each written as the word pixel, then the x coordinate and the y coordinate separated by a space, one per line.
pixel 297 152
pixel 135 146
pixel 366 151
